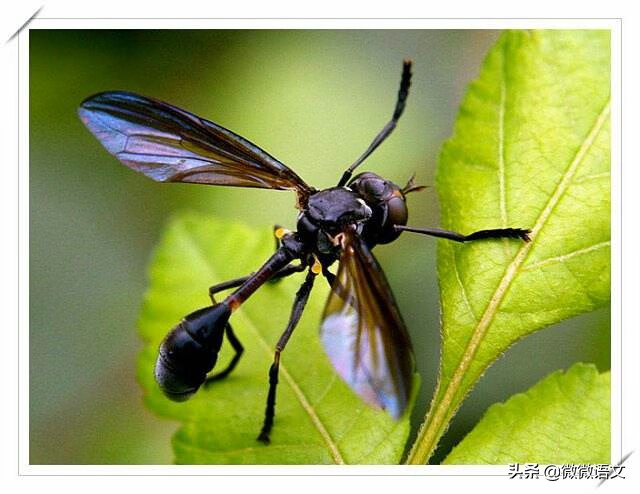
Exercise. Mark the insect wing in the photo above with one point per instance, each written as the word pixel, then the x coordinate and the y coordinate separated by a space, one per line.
pixel 168 144
pixel 363 333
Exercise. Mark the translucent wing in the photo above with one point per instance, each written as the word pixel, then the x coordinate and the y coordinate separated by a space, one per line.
pixel 363 333
pixel 168 144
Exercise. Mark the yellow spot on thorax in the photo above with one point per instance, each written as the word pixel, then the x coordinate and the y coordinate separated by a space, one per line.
pixel 317 267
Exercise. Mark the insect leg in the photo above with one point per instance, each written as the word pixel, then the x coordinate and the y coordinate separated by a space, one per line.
pixel 233 339
pixel 459 237
pixel 403 92
pixel 284 272
pixel 237 346
pixel 298 307
pixel 330 277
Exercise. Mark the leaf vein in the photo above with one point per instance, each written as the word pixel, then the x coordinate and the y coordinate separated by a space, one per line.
pixel 297 391
pixel 444 407
pixel 562 258
pixel 456 271
pixel 595 176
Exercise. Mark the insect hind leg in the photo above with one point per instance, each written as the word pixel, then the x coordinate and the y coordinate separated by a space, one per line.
pixel 236 282
pixel 231 336
pixel 403 93
pixel 228 330
pixel 239 349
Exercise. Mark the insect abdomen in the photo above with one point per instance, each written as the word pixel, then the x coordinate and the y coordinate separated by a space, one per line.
pixel 190 351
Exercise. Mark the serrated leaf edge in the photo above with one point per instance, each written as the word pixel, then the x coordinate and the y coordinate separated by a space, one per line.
pixel 428 438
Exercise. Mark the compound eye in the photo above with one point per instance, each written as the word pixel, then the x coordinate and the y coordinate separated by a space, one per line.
pixel 397 211
pixel 374 187
pixel 396 215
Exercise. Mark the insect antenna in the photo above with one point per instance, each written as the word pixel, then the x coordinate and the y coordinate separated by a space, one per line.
pixel 411 186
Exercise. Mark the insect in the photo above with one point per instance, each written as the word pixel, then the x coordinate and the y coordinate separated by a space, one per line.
pixel 362 330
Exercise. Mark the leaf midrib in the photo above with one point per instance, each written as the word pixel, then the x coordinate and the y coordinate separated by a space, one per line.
pixel 446 405
pixel 297 391
pixel 514 267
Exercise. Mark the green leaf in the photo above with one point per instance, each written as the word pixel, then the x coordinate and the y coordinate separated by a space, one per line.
pixel 530 150
pixel 563 419
pixel 318 418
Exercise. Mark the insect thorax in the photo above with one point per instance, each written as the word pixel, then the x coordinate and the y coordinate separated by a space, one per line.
pixel 370 204
pixel 328 213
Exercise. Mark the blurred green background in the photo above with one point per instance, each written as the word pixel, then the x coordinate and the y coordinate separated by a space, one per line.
pixel 314 99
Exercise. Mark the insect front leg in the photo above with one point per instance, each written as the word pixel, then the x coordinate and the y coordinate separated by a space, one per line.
pixel 479 235
pixel 401 101
pixel 298 307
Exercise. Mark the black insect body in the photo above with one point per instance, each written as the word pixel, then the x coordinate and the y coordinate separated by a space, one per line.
pixel 362 330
